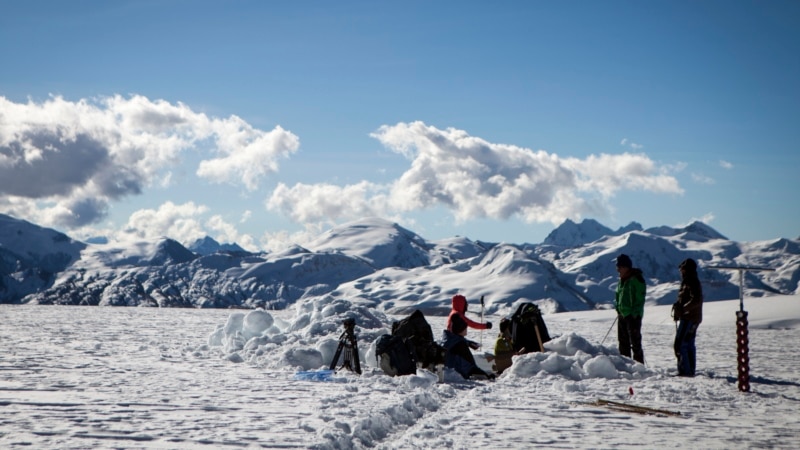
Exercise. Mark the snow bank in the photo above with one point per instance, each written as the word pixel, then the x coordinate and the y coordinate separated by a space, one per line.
pixel 307 342
pixel 573 357
pixel 310 340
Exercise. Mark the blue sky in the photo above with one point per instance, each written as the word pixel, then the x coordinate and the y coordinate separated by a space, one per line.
pixel 265 122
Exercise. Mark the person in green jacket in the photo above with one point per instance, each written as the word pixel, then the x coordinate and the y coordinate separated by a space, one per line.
pixel 630 308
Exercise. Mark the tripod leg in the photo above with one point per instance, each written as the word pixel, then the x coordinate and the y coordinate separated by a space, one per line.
pixel 336 356
pixel 356 361
pixel 347 360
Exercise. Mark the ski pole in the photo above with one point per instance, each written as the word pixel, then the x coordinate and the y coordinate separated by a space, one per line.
pixel 481 322
pixel 609 330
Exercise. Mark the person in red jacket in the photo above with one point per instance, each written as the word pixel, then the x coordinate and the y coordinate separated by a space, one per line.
pixel 459 356
pixel 458 313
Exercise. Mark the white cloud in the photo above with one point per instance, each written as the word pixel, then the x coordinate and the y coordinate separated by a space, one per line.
pixel 725 164
pixel 627 143
pixel 282 239
pixel 227 233
pixel 305 203
pixel 185 223
pixel 179 222
pixel 246 216
pixel 249 154
pixel 702 179
pixel 78 157
pixel 474 178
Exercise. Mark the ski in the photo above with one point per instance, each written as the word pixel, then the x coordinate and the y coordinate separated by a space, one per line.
pixel 627 407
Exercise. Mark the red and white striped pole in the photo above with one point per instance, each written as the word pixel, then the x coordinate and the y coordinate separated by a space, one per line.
pixel 742 339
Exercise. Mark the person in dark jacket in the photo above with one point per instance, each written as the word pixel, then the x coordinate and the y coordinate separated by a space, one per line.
pixel 688 312
pixel 459 356
pixel 629 302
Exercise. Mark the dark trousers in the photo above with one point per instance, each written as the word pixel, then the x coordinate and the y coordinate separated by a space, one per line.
pixel 462 349
pixel 629 332
pixel 685 350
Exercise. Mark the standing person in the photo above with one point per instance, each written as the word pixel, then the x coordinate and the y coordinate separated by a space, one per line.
pixel 688 312
pixel 454 340
pixel 630 308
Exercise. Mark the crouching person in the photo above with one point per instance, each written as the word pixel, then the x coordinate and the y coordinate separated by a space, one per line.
pixel 459 354
pixel 504 348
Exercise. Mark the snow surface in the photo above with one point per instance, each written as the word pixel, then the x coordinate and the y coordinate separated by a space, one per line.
pixel 104 377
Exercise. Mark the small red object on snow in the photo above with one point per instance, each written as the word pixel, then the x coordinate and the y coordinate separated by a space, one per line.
pixel 630 390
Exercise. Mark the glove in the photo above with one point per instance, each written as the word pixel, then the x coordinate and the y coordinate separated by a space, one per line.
pixel 677 311
pixel 488 325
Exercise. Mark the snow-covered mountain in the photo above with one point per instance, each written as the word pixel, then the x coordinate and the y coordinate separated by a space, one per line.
pixel 208 245
pixel 380 265
pixel 571 234
pixel 31 257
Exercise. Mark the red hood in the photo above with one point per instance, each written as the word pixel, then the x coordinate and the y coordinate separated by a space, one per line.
pixel 460 303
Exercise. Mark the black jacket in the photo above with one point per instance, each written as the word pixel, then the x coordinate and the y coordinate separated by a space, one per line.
pixel 690 299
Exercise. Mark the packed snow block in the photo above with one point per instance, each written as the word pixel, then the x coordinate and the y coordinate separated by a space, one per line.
pixel 256 323
pixel 528 329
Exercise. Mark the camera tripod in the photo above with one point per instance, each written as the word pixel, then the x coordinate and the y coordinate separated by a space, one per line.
pixel 347 343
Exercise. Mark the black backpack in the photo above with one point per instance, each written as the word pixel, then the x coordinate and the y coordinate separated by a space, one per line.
pixel 528 329
pixel 410 343
pixel 395 355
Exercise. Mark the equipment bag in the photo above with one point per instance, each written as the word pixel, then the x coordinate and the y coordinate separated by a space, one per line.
pixel 396 355
pixel 418 331
pixel 528 329
pixel 411 342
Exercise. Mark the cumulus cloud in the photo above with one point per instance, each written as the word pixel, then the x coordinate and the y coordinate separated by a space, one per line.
pixel 280 240
pixel 226 232
pixel 474 178
pixel 180 222
pixel 183 222
pixel 725 164
pixel 248 154
pixel 309 203
pixel 78 157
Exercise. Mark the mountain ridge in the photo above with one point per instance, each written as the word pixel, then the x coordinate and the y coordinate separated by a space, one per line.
pixel 382 265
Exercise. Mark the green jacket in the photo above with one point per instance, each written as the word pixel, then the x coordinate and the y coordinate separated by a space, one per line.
pixel 503 351
pixel 630 295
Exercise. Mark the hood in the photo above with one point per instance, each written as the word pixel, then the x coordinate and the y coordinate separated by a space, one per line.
pixel 638 274
pixel 460 303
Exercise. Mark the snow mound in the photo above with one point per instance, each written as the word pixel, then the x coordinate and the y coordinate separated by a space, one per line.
pixel 308 342
pixel 573 357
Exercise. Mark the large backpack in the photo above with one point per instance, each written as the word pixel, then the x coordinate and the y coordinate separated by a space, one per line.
pixel 528 329
pixel 410 343
pixel 395 355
